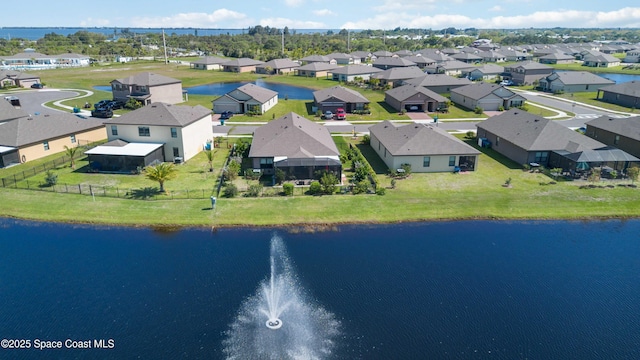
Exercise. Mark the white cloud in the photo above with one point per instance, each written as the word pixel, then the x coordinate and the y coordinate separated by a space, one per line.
pixel 294 3
pixel 292 24
pixel 496 8
pixel 323 12
pixel 219 18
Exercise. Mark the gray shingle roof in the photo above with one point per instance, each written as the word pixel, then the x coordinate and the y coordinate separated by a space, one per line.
pixel 38 128
pixel 628 127
pixel 399 73
pixel 147 79
pixel 404 92
pixel 392 61
pixel 438 80
pixel 279 64
pixel 210 60
pixel 242 62
pixel 356 70
pixel 631 88
pixel 318 66
pixel 535 133
pixel 292 136
pixel 579 77
pixel 258 92
pixel 162 114
pixel 480 90
pixel 419 139
pixel 339 92
pixel 8 112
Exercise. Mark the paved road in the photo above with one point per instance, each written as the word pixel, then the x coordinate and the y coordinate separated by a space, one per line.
pixel 33 101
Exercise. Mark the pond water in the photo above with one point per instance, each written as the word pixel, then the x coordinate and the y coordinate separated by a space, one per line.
pixel 444 290
pixel 621 78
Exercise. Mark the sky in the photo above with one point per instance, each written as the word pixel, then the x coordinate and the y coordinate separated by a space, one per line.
pixel 327 14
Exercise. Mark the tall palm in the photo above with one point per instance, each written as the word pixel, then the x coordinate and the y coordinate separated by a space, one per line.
pixel 161 172
pixel 71 153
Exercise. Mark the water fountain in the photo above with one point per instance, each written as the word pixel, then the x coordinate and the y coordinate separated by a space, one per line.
pixel 280 321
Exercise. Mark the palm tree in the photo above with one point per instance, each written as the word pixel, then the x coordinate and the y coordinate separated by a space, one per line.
pixel 161 172
pixel 71 153
pixel 209 154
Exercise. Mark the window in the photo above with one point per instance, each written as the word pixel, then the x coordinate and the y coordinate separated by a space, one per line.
pixel 174 133
pixel 114 130
pixel 452 161
pixel 426 161
pixel 616 140
pixel 144 131
pixel 541 157
pixel 497 140
pixel 266 163
pixel 46 145
pixel 73 138
pixel 176 152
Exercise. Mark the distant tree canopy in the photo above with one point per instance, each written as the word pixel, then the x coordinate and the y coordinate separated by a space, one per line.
pixel 265 43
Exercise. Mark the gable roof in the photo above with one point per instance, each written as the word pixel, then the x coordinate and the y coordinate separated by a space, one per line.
pixel 339 92
pixel 418 139
pixel 292 136
pixel 530 65
pixel 404 92
pixel 399 73
pixel 242 62
pixel 162 114
pixel 318 66
pixel 210 60
pixel 438 80
pixel 279 64
pixel 147 79
pixel 392 61
pixel 38 128
pixel 316 58
pixel 579 77
pixel 258 92
pixel 535 133
pixel 629 88
pixel 480 90
pixel 9 112
pixel 356 70
pixel 489 69
pixel 627 127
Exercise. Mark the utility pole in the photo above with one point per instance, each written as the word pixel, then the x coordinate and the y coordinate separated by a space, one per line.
pixel 283 42
pixel 164 44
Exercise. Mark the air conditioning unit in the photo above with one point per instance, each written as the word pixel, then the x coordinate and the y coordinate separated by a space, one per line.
pixel 178 160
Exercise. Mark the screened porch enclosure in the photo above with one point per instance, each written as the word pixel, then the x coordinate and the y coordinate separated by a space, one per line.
pixel 307 168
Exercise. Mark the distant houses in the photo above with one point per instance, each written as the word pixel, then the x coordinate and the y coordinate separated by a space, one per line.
pixel 248 98
pixel 147 88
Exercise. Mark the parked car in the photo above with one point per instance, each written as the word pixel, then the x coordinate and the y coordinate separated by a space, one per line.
pixel 506 82
pixel 226 115
pixel 115 104
pixel 37 86
pixel 341 114
pixel 102 113
pixel 101 104
pixel 328 115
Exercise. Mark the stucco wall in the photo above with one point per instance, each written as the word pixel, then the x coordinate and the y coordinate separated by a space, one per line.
pixel 36 150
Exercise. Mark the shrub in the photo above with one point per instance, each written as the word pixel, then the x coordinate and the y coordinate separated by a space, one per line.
pixel 315 188
pixel 501 108
pixel 470 134
pixel 393 183
pixel 230 191
pixel 478 110
pixel 232 170
pixel 406 168
pixel 287 189
pixel 381 191
pixel 280 176
pixel 254 190
pixel 366 139
pixel 328 182
pixel 50 178
pixel 361 187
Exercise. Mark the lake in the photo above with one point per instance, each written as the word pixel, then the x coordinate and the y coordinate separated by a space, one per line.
pixel 441 290
pixel 217 89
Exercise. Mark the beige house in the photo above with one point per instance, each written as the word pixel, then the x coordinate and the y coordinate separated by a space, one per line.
pixel 241 65
pixel 183 130
pixel 316 69
pixel 148 88
pixel 425 147
pixel 208 63
pixel 37 136
pixel 246 98
pixel 17 78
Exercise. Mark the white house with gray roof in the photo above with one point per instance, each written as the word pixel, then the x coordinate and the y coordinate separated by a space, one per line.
pixel 425 147
pixel 389 62
pixel 147 88
pixel 488 96
pixel 315 69
pixel 246 98
pixel 339 97
pixel 415 98
pixel 485 72
pixel 439 83
pixel 181 130
pixel 349 73
pixel 241 65
pixel 277 66
pixel 573 81
pixel 208 63
pixel 295 145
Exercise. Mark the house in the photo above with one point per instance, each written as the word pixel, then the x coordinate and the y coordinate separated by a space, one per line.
pixel 247 98
pixel 382 53
pixel 396 76
pixel 595 59
pixel 421 61
pixel 28 60
pixel 147 87
pixel 468 58
pixel 344 59
pixel 155 133
pixel 295 145
pixel 623 94
pixel 632 56
pixel 349 73
pixel 208 63
pixel 449 67
pixel 364 56
pixel 316 69
pixel 489 97
pixel 434 54
pixel 557 58
pixel 241 65
pixel 439 83
pixel 339 97
pixel 573 81
pixel 425 147
pixel 527 72
pixel 414 98
pixel 277 66
pixel 9 78
pixel 492 56
pixel 73 60
pixel 389 62
pixel 527 138
pixel 515 55
pixel 622 133
pixel 486 72
pixel 26 137
pixel 317 59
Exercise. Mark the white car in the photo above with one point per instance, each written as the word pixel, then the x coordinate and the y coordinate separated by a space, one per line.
pixel 328 115
pixel 506 82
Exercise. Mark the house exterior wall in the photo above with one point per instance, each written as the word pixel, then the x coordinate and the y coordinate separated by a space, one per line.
pixel 506 148
pixel 311 73
pixel 224 103
pixel 36 150
pixel 263 107
pixel 170 93
pixel 438 163
pixel 193 137
pixel 350 78
pixel 624 143
pixel 621 99
pixel 239 69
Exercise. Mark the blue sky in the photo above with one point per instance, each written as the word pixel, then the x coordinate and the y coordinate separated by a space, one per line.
pixel 327 14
